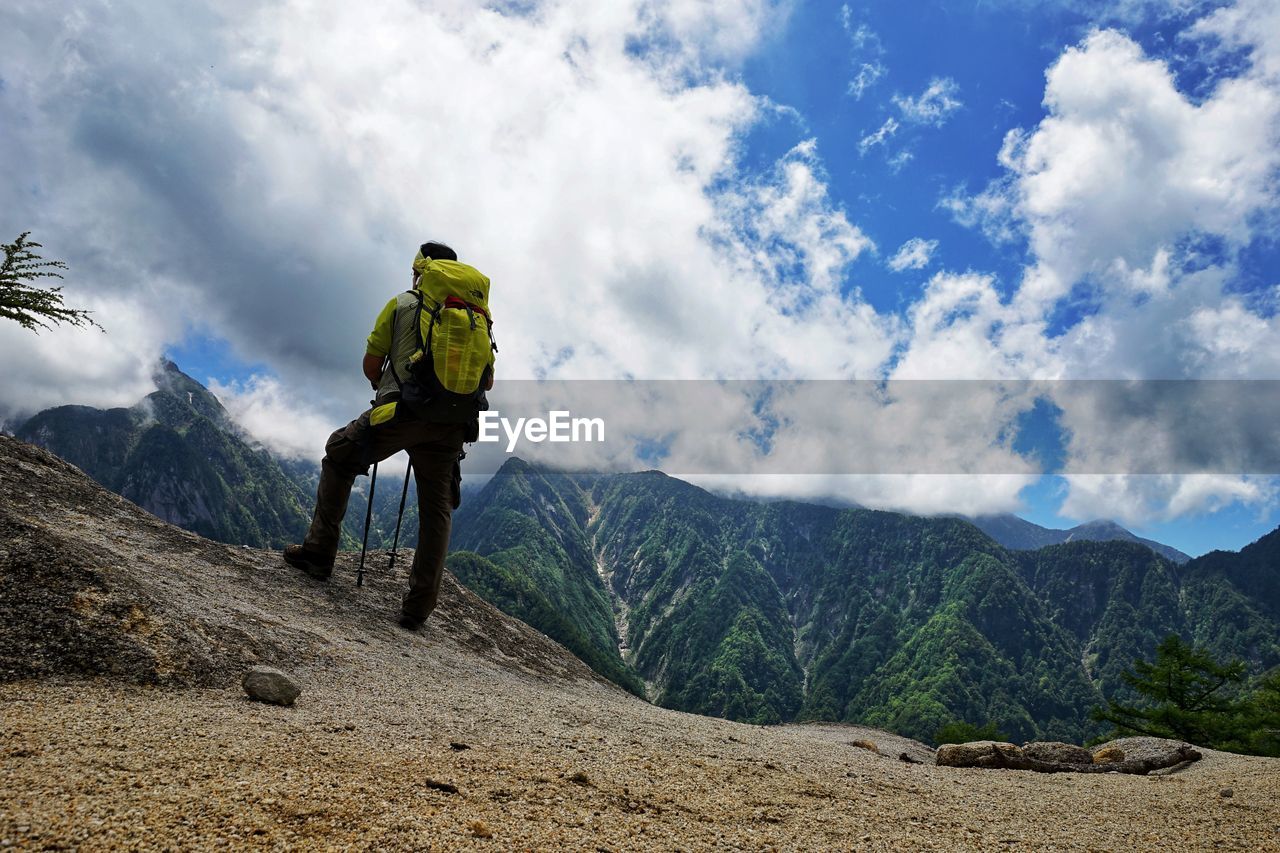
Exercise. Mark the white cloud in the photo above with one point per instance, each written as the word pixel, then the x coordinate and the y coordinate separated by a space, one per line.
pixel 275 415
pixel 715 31
pixel 879 137
pixel 868 52
pixel 1250 24
pixel 285 190
pixel 1142 498
pixel 1141 196
pixel 919 494
pixel 915 254
pixel 869 73
pixel 81 365
pixel 961 328
pixel 934 105
pixel 1125 164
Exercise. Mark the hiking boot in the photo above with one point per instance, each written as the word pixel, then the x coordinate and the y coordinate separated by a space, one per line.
pixel 310 562
pixel 412 623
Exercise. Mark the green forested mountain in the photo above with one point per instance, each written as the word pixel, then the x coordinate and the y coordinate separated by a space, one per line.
pixel 178 455
pixel 775 611
pixel 531 525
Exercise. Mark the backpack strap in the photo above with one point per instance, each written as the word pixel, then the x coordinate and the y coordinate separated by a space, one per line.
pixel 417 317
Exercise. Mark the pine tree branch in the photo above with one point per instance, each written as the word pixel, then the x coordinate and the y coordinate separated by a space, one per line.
pixel 34 307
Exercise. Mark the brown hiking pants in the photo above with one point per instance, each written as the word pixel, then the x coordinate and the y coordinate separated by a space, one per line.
pixel 433 449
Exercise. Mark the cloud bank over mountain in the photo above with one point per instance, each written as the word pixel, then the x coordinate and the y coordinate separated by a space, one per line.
pixel 259 174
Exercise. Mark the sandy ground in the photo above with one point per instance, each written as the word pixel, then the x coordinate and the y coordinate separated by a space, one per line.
pixel 357 762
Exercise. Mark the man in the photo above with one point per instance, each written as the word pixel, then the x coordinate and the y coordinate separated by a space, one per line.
pixel 404 417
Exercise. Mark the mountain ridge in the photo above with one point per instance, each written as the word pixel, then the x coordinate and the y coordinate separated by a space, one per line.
pixel 1022 535
pixel 781 610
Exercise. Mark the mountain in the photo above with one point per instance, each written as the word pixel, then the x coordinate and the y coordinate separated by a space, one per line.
pixel 539 567
pixel 178 454
pixel 775 611
pixel 1021 535
pixel 123 640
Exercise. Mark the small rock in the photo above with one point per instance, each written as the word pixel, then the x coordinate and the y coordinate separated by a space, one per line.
pixel 266 684
pixel 441 786
pixel 579 778
pixel 456 746
pixel 1227 792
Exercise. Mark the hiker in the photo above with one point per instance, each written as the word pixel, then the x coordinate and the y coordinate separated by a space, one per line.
pixel 430 359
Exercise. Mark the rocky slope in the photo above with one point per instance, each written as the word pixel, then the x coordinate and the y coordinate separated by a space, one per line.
pixel 122 724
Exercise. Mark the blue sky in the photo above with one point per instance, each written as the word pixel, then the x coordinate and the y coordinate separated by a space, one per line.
pixel 995 190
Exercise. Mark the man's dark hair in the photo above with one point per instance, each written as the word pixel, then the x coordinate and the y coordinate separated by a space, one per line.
pixel 437 251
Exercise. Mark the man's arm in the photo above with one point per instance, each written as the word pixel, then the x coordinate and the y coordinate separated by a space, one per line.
pixel 372 367
pixel 378 346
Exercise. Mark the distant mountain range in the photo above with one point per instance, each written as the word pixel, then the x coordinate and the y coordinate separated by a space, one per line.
pixel 737 608
pixel 775 611
pixel 1022 535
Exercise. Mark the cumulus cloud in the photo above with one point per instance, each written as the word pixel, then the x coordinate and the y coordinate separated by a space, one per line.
pixel 275 415
pixel 271 196
pixel 1143 498
pixel 260 173
pixel 1126 165
pixel 81 365
pixel 1136 199
pixel 914 254
pixel 1251 25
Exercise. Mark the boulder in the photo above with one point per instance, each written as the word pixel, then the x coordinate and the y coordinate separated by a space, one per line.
pixel 1057 752
pixel 266 684
pixel 1150 754
pixel 981 753
pixel 1144 755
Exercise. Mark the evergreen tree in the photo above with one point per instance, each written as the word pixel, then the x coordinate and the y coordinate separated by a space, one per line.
pixel 1190 696
pixel 21 299
pixel 960 731
pixel 1262 718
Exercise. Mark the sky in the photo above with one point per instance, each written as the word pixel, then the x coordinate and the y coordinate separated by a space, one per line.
pixel 670 189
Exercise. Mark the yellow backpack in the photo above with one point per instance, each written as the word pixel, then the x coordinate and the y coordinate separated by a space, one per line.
pixel 454 357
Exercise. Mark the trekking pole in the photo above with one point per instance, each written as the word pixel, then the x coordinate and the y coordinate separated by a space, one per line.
pixel 368 516
pixel 404 493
